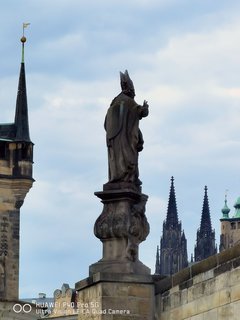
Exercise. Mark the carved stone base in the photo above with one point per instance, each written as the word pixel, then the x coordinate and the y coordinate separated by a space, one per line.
pixel 121 227
pixel 115 266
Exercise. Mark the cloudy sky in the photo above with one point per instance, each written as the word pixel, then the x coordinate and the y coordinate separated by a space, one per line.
pixel 183 57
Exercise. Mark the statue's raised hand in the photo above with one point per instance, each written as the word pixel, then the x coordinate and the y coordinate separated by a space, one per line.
pixel 145 104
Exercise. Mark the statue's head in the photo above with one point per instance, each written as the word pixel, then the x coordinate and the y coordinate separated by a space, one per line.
pixel 127 84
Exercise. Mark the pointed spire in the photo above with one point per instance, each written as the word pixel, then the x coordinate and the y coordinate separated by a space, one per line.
pixel 21 114
pixel 172 215
pixel 205 226
pixel 183 236
pixel 157 264
pixel 192 258
pixel 205 244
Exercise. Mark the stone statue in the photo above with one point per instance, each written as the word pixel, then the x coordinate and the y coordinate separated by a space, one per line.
pixel 124 138
pixel 122 225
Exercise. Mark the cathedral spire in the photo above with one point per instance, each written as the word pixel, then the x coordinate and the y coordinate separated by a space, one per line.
pixel 206 226
pixel 21 114
pixel 205 244
pixel 157 264
pixel 183 236
pixel 173 243
pixel 172 215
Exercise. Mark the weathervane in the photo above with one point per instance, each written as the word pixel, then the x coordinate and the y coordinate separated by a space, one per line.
pixel 23 39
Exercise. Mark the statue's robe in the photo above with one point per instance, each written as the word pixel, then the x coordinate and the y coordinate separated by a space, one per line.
pixel 124 139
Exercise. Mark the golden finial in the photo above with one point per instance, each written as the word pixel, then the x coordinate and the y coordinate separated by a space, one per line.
pixel 24 39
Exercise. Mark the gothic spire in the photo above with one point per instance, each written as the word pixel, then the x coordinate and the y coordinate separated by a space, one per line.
pixel 173 252
pixel 21 114
pixel 205 244
pixel 206 226
pixel 157 264
pixel 183 236
pixel 192 260
pixel 172 215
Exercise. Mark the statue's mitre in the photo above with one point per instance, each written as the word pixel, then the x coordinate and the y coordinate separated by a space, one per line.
pixel 126 82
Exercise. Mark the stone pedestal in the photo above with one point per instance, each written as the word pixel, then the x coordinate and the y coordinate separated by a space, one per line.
pixel 119 284
pixel 121 227
pixel 113 296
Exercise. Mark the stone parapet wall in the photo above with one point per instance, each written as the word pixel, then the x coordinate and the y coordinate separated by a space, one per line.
pixel 207 290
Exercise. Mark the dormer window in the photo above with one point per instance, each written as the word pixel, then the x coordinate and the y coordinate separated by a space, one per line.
pixel 27 152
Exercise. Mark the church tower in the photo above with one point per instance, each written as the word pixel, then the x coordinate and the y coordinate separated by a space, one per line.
pixel 205 245
pixel 16 159
pixel 230 227
pixel 173 244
